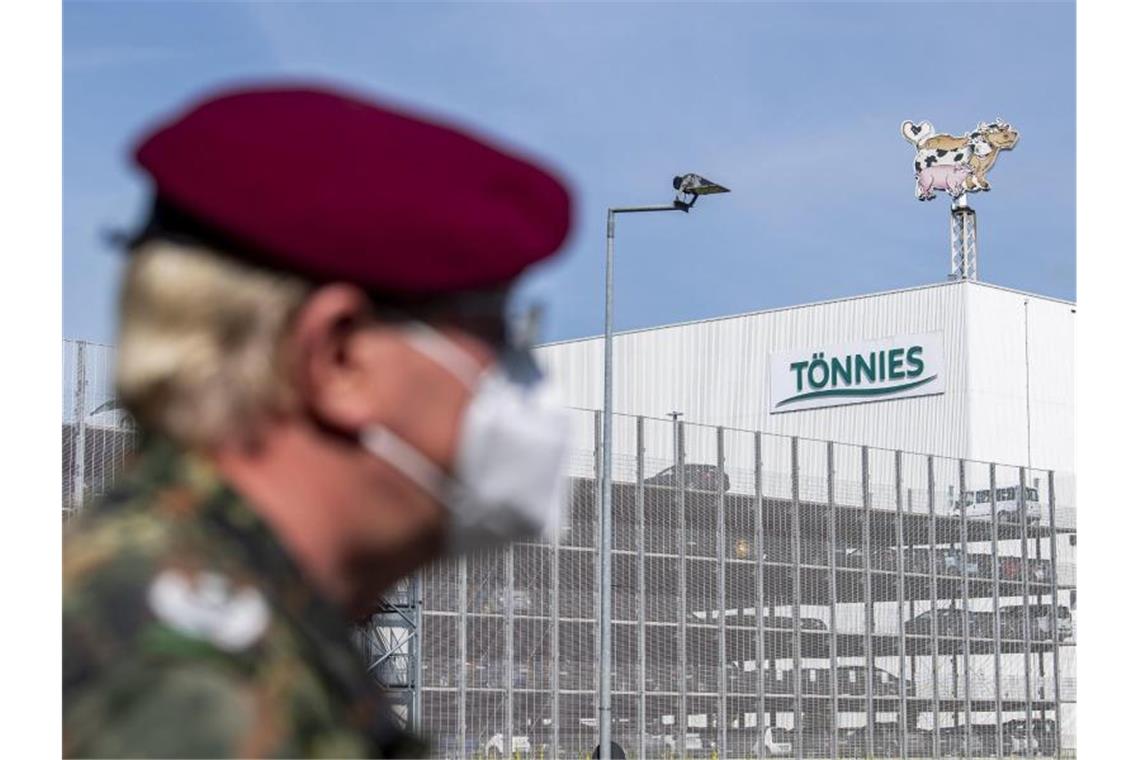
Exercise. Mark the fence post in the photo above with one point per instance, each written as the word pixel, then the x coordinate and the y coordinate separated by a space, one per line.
pixel 722 637
pixel 1056 639
pixel 1027 642
pixel 967 641
pixel 932 538
pixel 761 659
pixel 682 723
pixel 832 597
pixel 600 451
pixel 509 644
pixel 556 625
pixel 868 603
pixel 903 721
pixel 462 675
pixel 640 504
pixel 797 600
pixel 79 428
pixel 994 526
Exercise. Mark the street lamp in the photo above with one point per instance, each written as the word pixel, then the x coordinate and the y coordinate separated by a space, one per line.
pixel 689 187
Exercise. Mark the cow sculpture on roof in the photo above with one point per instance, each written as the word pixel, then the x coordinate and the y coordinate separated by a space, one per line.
pixel 956 164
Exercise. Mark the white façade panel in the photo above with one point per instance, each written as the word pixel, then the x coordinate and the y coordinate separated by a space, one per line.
pixel 1020 378
pixel 901 366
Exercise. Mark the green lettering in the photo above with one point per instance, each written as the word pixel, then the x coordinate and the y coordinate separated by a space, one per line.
pixel 914 359
pixel 864 368
pixel 896 360
pixel 799 368
pixel 840 369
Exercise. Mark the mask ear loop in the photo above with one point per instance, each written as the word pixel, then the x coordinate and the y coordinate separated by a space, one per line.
pixel 386 445
pixel 437 347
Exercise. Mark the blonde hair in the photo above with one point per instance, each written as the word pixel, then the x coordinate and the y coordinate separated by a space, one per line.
pixel 200 354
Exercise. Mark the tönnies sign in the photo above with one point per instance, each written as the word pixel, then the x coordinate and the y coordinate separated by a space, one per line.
pixel 902 366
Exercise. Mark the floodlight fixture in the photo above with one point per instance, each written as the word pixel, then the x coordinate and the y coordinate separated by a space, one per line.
pixel 691 186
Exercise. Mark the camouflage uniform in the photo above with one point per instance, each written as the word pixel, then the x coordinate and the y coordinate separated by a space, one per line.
pixel 188 631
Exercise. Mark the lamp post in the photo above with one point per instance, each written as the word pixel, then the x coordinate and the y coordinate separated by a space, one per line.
pixel 689 187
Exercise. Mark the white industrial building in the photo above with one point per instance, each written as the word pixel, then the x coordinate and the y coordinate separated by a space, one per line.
pixel 1005 392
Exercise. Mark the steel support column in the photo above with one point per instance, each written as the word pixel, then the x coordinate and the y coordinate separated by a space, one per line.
pixel 415 651
pixel 963 243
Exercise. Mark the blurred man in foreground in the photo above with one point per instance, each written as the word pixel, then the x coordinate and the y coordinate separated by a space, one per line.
pixel 313 340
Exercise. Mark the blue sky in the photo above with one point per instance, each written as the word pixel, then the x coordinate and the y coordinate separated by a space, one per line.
pixel 795 107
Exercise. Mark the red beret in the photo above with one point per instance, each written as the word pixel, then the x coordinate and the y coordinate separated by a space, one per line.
pixel 338 188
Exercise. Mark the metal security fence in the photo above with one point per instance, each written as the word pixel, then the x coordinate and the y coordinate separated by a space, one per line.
pixel 772 597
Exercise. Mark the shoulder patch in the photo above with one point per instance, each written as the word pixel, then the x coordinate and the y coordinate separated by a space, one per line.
pixel 207 605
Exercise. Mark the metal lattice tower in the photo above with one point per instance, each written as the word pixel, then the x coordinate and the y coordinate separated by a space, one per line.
pixel 963 241
pixel 390 642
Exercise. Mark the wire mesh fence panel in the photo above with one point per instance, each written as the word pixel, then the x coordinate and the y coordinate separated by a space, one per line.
pixel 848 561
pixel 438 650
pixel 703 484
pixel 531 651
pixel 886 689
pixel 924 706
pixel 948 560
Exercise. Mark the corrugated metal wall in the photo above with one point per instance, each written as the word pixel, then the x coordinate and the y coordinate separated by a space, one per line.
pixel 715 372
pixel 1020 345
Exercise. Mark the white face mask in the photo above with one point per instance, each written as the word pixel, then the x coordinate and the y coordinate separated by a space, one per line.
pixel 513 442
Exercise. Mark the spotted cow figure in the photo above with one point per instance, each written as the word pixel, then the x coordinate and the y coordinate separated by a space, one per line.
pixel 976 151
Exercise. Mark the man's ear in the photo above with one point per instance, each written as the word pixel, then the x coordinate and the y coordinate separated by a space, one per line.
pixel 333 370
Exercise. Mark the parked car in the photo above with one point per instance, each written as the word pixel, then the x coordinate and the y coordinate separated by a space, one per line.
pixel 699 477
pixel 1005 504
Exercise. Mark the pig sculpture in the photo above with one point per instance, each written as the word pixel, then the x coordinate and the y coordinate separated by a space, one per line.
pixel 948 177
